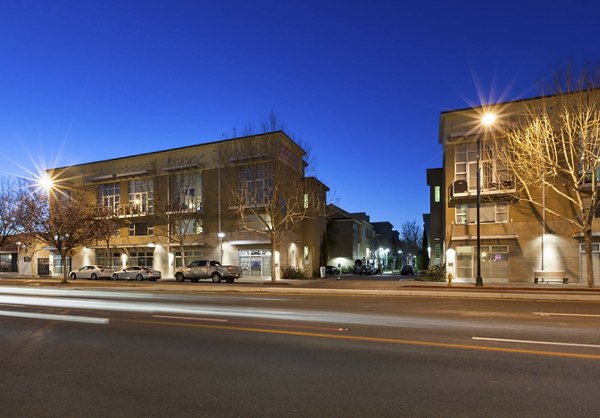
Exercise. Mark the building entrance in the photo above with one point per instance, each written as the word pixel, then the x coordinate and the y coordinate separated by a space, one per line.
pixel 255 263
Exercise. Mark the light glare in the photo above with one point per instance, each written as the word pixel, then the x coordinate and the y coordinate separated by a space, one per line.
pixel 488 119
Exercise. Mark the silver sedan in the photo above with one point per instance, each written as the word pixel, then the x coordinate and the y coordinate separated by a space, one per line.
pixel 90 272
pixel 137 273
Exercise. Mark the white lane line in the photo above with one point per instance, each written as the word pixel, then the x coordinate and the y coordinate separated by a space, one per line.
pixel 506 340
pixel 54 317
pixel 190 317
pixel 565 314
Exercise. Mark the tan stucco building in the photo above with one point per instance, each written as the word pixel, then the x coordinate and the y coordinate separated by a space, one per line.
pixel 515 247
pixel 188 190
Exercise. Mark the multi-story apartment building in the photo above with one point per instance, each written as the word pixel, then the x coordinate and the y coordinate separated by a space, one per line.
pixel 514 243
pixel 181 204
pixel 435 219
pixel 351 238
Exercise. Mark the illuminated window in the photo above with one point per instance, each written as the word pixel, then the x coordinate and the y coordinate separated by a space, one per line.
pixel 187 192
pixel 305 252
pixel 256 184
pixel 109 196
pixel 436 192
pixel 488 213
pixel 306 201
pixel 141 196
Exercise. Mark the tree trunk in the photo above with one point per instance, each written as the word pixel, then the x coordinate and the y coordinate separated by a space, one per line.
pixel 587 237
pixel 274 266
pixel 63 258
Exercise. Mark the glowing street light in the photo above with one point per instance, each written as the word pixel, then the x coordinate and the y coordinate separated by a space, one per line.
pixel 487 120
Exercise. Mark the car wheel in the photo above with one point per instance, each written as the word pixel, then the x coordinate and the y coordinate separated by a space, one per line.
pixel 216 278
pixel 229 280
pixel 93 276
pixel 139 277
pixel 115 277
pixel 73 276
pixel 194 279
pixel 179 277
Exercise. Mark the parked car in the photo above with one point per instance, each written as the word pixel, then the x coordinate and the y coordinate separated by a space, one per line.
pixel 407 270
pixel 208 269
pixel 332 270
pixel 367 269
pixel 90 273
pixel 137 273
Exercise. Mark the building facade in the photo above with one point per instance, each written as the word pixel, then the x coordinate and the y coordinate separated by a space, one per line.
pixel 435 222
pixel 208 201
pixel 350 238
pixel 518 240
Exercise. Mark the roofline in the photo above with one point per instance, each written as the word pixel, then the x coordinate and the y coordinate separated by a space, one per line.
pixel 182 148
pixel 527 99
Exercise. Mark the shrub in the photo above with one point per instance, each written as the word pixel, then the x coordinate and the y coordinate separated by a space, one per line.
pixel 434 274
pixel 294 273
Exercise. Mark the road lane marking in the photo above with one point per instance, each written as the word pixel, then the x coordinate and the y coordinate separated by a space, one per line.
pixel 371 339
pixel 565 314
pixel 192 318
pixel 264 324
pixel 54 317
pixel 508 340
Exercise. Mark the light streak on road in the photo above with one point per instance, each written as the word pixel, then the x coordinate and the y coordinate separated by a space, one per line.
pixel 507 340
pixel 54 317
pixel 566 314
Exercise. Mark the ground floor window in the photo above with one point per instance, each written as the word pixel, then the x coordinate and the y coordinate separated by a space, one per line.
pixel 8 262
pixel 494 262
pixel 112 261
pixel 57 265
pixel 255 263
pixel 595 260
pixel 141 258
pixel 190 255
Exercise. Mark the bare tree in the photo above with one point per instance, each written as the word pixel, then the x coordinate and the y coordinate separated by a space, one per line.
pixel 67 220
pixel 183 226
pixel 554 148
pixel 411 235
pixel 11 191
pixel 106 228
pixel 264 184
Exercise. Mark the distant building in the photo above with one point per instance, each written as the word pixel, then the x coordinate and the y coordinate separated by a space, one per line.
pixel 350 238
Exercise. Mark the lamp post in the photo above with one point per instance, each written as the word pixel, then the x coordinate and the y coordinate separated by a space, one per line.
pixel 487 120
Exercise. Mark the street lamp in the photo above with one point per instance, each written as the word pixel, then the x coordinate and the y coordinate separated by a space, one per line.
pixel 487 120
pixel 221 235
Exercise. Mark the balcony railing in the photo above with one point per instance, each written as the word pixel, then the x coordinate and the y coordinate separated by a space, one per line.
pixel 126 211
pixel 192 205
pixel 461 189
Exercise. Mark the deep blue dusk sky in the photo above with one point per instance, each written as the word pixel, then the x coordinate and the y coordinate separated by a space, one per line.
pixel 362 83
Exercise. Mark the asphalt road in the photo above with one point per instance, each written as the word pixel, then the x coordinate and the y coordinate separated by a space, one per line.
pixel 115 354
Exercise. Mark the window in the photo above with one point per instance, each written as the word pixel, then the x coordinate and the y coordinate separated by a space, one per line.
pixel 190 256
pixel 305 252
pixel 141 258
pixel 256 184
pixel 488 213
pixel 137 229
pixel 436 194
pixel 305 200
pixel 141 196
pixel 494 174
pixel 113 261
pixel 187 192
pixel 109 196
pixel 189 226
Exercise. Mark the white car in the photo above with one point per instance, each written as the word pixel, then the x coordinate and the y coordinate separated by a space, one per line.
pixel 91 273
pixel 137 273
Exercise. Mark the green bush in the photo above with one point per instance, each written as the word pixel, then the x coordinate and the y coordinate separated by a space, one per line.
pixel 433 274
pixel 294 273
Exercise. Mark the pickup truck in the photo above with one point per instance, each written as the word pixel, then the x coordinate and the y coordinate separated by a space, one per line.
pixel 208 269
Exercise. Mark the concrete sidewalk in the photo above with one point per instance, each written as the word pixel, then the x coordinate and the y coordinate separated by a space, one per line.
pixel 380 285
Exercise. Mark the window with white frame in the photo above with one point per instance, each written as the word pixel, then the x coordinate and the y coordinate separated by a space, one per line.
pixel 488 213
pixel 494 174
pixel 109 196
pixel 141 196
pixel 187 191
